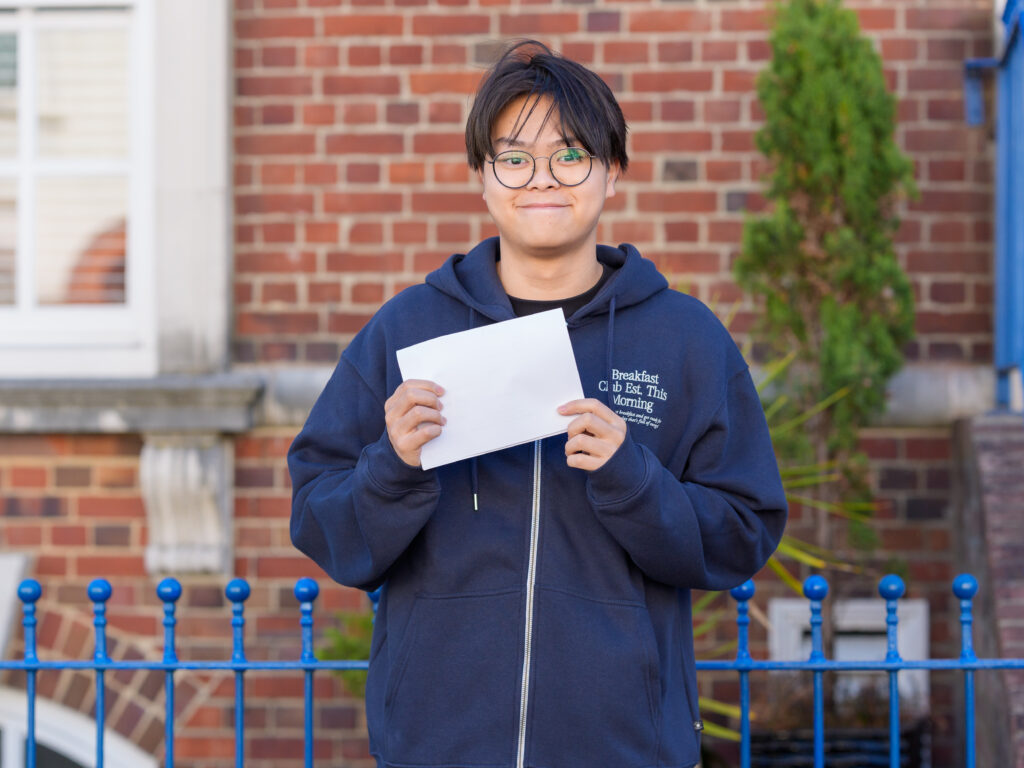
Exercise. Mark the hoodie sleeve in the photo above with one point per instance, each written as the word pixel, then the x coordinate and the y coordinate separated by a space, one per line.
pixel 718 524
pixel 356 505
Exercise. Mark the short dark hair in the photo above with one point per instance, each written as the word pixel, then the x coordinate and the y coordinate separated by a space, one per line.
pixel 587 109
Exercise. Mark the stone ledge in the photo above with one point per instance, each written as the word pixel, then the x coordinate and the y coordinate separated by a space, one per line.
pixel 223 402
pixel 920 395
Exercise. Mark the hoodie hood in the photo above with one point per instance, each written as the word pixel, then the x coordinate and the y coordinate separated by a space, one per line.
pixel 472 279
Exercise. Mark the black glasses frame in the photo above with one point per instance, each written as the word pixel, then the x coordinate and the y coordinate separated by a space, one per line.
pixel 551 168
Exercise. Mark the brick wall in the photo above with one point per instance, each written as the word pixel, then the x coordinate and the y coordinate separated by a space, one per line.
pixel 74 503
pixel 351 183
pixel 350 174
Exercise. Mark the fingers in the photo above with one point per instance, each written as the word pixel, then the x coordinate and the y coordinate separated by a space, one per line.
pixel 413 417
pixel 594 435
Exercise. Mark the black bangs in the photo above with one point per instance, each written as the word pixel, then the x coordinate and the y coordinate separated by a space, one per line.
pixel 588 114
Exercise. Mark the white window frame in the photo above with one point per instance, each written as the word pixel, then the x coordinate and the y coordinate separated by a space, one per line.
pixel 182 97
pixel 65 731
pixel 789 619
pixel 84 340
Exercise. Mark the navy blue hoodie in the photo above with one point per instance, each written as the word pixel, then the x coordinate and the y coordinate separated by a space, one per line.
pixel 551 627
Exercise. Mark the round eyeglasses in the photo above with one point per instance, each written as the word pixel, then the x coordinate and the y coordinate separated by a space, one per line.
pixel 569 166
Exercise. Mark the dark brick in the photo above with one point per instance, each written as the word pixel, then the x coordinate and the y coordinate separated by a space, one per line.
pixel 927 509
pixel 680 170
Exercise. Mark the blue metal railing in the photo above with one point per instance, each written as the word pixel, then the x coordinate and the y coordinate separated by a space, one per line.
pixel 815 589
pixel 1009 245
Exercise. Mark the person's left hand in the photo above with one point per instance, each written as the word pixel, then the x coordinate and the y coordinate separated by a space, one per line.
pixel 594 435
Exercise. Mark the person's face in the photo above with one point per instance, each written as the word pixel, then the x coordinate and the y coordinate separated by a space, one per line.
pixel 543 218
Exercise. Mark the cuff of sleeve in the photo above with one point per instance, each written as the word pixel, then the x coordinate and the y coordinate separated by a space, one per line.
pixel 621 477
pixel 392 475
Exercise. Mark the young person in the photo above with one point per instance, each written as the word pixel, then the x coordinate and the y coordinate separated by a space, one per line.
pixel 535 608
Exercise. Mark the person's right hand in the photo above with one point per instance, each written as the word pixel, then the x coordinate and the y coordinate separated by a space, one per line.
pixel 413 417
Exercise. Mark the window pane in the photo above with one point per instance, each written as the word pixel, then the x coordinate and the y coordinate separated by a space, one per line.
pixel 81 260
pixel 83 92
pixel 8 240
pixel 8 94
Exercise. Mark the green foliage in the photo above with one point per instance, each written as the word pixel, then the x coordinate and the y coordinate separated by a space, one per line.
pixel 822 260
pixel 350 643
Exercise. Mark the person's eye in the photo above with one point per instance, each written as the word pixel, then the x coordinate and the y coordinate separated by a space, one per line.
pixel 571 156
pixel 513 160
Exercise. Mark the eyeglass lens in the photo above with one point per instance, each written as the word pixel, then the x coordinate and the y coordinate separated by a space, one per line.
pixel 569 166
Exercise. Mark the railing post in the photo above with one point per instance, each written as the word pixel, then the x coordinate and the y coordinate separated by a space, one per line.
pixel 891 588
pixel 742 595
pixel 237 591
pixel 29 592
pixel 99 593
pixel 965 587
pixel 306 591
pixel 815 590
pixel 169 590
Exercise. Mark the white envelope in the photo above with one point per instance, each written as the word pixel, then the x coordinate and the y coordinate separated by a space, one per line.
pixel 503 384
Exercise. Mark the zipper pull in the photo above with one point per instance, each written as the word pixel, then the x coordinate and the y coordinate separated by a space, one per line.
pixel 698 725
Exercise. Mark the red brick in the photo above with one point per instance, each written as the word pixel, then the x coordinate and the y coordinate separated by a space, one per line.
pixel 367 293
pixel 277 202
pixel 267 27
pixel 948 231
pixel 405 113
pixel 662 82
pixel 426 83
pixel 364 143
pixel 631 51
pixel 279 292
pixel 722 110
pixel 451 24
pixel 360 113
pixel 453 232
pixel 737 80
pixel 442 54
pixel 928 448
pixel 680 111
pixel 116 476
pixel 318 114
pixel 719 50
pixel 948 293
pixel 279 56
pixel 899 49
pixel 405 55
pixel 320 173
pixel 876 18
pixel 278 173
pixel 363 25
pixel 439 143
pixel 953 322
pixel 320 231
pixel 321 56
pixel 346 322
pixel 277 322
pixel 346 85
pixel 677 141
pixel 365 56
pixel 951 18
pixel 320 293
pixel 671 202
pixel 366 232
pixel 378 261
pixel 447 202
pixel 276 144
pixel 674 51
pixel 538 23
pixel 407 173
pixel 723 170
pixel 409 231
pixel 669 21
pixel 275 261
pixel 111 506
pixel 68 535
pixel 366 202
pixel 28 477
pixel 936 140
pixel 736 20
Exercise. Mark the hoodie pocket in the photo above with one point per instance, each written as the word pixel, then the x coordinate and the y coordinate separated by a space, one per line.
pixel 452 697
pixel 596 690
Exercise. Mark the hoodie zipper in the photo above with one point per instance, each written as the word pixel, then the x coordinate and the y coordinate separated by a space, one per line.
pixel 531 580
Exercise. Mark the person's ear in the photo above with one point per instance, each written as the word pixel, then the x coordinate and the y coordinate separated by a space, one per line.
pixel 613 176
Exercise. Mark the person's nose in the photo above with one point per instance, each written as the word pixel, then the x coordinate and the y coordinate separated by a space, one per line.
pixel 542 176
